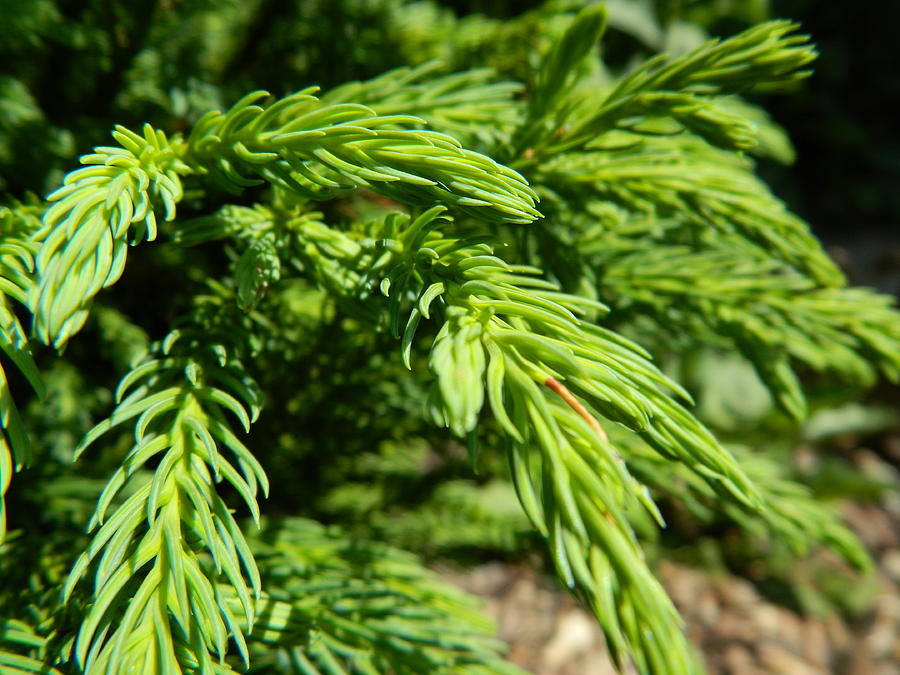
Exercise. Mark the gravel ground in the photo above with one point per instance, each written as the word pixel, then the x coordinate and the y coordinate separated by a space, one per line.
pixel 737 629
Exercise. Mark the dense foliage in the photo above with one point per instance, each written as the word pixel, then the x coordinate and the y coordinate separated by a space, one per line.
pixel 373 317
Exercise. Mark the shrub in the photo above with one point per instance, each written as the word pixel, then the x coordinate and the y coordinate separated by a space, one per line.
pixel 521 247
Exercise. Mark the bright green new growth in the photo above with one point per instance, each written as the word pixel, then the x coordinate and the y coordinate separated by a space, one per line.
pixel 649 211
pixel 178 403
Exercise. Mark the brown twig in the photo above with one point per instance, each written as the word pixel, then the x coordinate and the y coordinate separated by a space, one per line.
pixel 560 389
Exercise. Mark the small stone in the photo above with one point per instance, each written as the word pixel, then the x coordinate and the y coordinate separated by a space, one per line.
pixel 737 660
pixel 890 564
pixel 860 663
pixel 815 644
pixel 778 660
pixel 707 609
pixel 885 631
pixel 838 635
pixel 892 668
pixel 575 634
pixel 873 525
pixel 735 592
pixel 733 627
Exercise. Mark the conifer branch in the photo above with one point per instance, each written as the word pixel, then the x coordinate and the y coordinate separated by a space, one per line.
pixel 709 193
pixel 296 143
pixel 21 650
pixel 796 519
pixel 684 89
pixel 468 105
pixel 337 605
pixel 774 317
pixel 497 337
pixel 505 333
pixel 161 551
pixel 313 149
pixel 92 218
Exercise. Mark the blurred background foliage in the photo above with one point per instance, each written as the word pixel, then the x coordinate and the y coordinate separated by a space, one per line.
pixel 70 69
